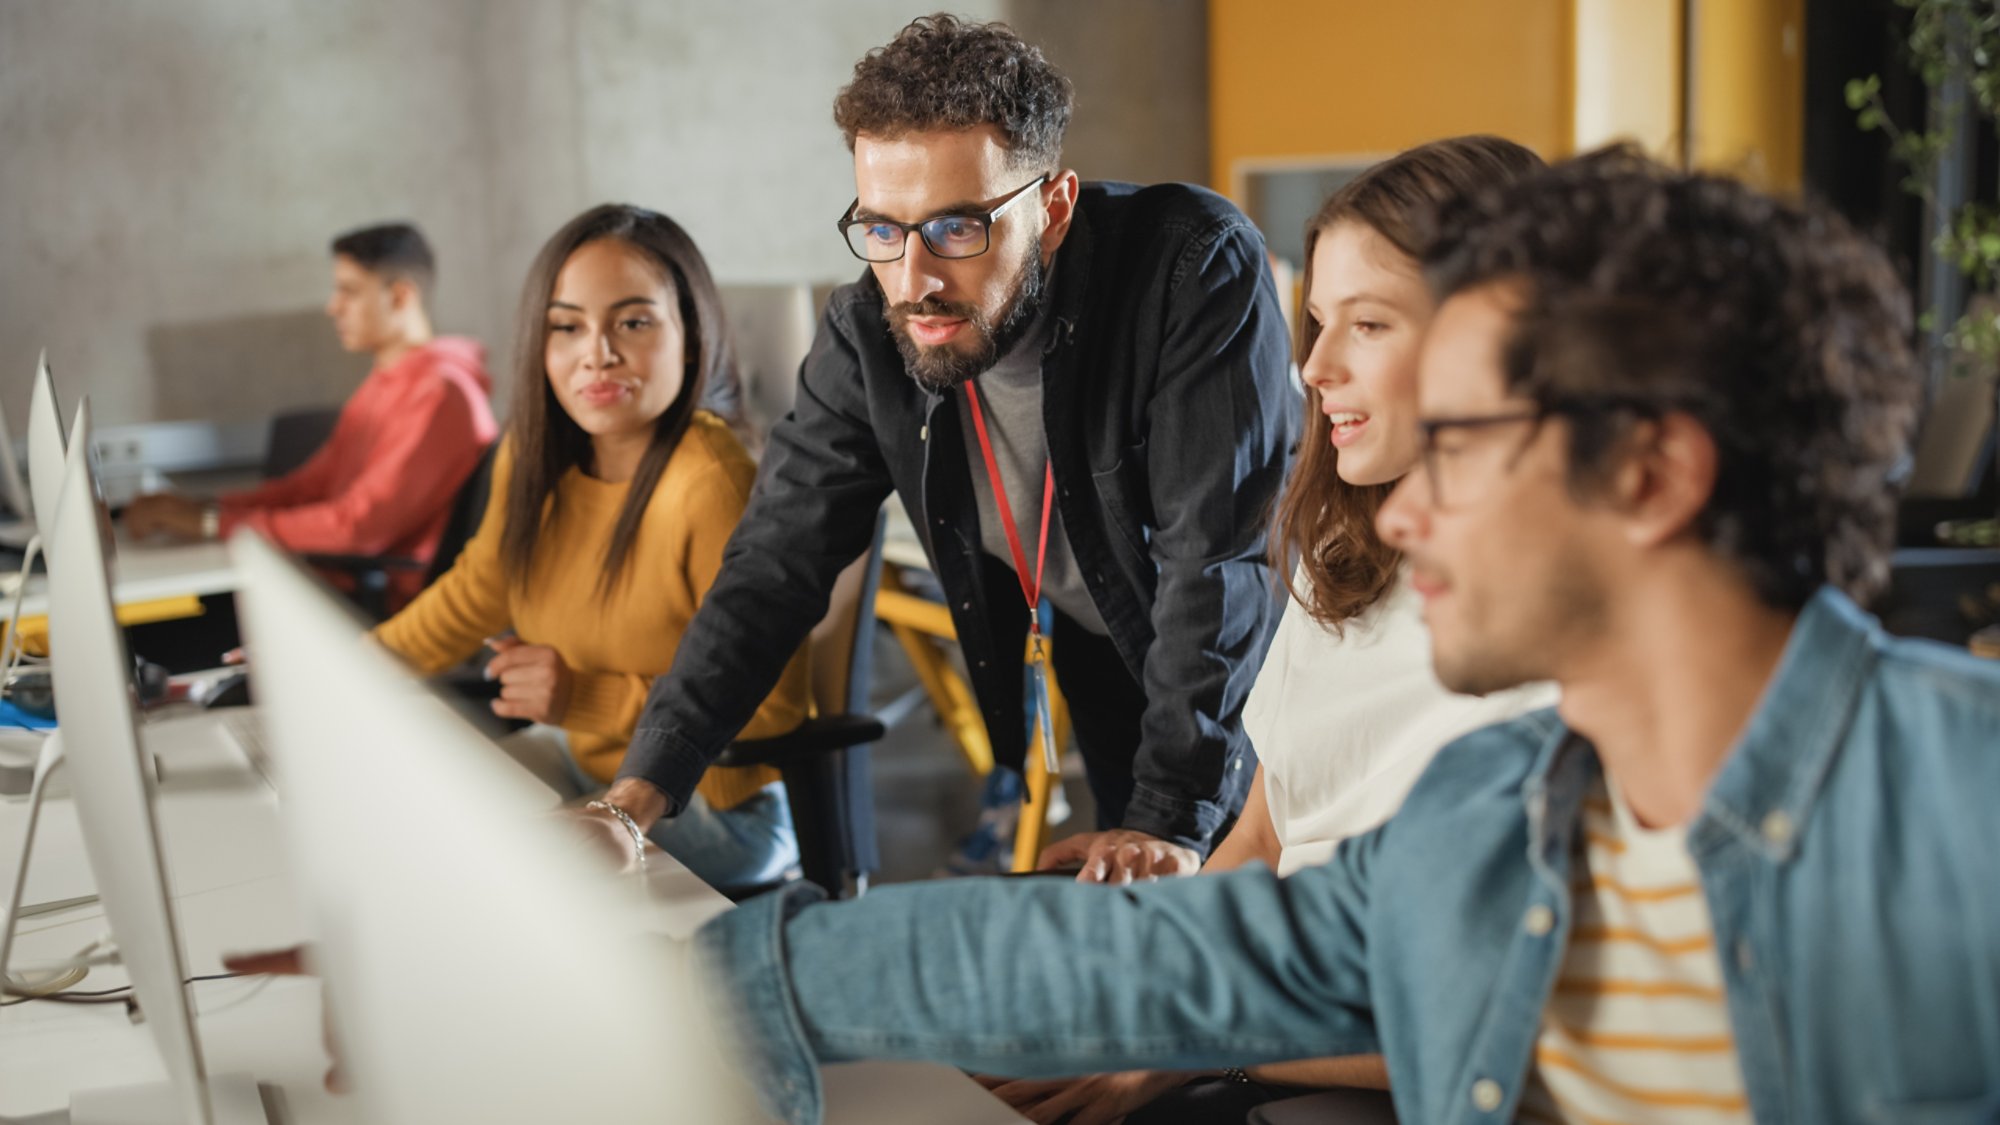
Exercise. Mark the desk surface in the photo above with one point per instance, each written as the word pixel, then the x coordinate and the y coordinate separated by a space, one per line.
pixel 143 572
pixel 225 860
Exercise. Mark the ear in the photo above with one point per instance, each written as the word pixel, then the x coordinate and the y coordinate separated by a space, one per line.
pixel 404 294
pixel 1059 196
pixel 1666 480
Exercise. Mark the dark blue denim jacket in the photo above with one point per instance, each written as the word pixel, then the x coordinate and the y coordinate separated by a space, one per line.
pixel 1849 852
pixel 1170 414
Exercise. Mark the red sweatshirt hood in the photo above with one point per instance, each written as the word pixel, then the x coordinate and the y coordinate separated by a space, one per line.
pixel 449 356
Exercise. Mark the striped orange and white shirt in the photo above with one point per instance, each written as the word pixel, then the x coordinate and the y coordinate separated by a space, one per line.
pixel 1637 1032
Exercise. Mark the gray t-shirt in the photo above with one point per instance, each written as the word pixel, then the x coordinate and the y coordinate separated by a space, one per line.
pixel 1011 393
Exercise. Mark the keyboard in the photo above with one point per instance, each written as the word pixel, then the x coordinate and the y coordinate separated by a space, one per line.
pixel 242 727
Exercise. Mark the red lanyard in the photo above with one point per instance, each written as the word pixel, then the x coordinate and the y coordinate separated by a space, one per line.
pixel 1031 591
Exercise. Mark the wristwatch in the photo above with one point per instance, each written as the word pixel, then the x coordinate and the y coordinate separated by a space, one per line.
pixel 211 521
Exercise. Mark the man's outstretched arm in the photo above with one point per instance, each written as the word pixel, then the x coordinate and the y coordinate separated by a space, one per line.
pixel 1045 977
pixel 811 513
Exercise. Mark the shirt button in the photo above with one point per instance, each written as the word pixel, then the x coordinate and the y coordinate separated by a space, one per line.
pixel 1540 920
pixel 1487 1095
pixel 1778 828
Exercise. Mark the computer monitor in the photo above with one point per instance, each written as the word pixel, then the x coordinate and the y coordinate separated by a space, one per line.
pixel 47 459
pixel 13 486
pixel 479 965
pixel 112 789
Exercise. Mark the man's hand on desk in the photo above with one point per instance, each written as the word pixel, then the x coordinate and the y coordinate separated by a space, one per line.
pixel 534 681
pixel 605 835
pixel 641 800
pixel 1099 1099
pixel 291 963
pixel 165 514
pixel 1120 856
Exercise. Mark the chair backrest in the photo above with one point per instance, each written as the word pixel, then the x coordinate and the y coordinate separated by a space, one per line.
pixel 468 507
pixel 835 821
pixel 295 436
pixel 842 644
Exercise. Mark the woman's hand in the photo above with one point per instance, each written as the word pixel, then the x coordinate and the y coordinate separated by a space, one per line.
pixel 534 681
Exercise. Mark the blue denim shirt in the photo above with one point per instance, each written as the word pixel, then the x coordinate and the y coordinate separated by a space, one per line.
pixel 1849 851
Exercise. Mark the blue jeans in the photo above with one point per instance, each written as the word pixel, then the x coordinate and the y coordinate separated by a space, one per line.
pixel 729 849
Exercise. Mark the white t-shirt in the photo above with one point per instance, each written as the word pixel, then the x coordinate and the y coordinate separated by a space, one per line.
pixel 1637 1029
pixel 1344 723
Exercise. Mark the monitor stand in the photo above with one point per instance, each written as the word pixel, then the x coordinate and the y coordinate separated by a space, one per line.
pixel 233 1100
pixel 51 757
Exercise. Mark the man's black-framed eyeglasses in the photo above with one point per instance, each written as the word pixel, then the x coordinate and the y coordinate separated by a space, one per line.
pixel 946 236
pixel 1449 482
pixel 1437 464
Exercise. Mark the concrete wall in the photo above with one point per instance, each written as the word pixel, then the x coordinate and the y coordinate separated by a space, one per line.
pixel 173 172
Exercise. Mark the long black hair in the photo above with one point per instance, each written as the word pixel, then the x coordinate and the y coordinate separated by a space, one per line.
pixel 547 441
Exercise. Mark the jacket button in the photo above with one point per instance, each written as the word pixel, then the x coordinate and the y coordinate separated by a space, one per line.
pixel 1778 829
pixel 1487 1095
pixel 1540 920
pixel 966 606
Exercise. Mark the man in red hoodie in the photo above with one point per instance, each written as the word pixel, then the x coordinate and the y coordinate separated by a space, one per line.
pixel 405 443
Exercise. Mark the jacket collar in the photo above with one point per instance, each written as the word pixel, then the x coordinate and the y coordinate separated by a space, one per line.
pixel 1764 792
pixel 1071 280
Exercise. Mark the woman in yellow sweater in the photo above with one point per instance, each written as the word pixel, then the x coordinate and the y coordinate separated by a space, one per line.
pixel 613 496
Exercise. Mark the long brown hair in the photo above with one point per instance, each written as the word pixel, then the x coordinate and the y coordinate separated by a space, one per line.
pixel 1323 523
pixel 547 441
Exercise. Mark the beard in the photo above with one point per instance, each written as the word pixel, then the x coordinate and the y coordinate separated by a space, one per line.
pixel 1497 644
pixel 944 366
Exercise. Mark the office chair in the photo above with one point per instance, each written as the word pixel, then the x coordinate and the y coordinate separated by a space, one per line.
pixel 825 760
pixel 371 573
pixel 295 436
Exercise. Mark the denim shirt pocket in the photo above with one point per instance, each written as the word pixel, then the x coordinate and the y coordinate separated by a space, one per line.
pixel 1122 489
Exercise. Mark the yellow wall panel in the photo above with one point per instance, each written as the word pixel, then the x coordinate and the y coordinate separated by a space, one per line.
pixel 1299 79
pixel 1748 68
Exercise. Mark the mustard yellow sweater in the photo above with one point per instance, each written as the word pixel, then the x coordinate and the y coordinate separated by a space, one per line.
pixel 613 646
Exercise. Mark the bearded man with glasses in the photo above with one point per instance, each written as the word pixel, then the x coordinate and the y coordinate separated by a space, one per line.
pixel 1080 392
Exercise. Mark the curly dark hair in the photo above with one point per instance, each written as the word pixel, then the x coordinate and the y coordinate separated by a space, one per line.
pixel 942 72
pixel 1773 324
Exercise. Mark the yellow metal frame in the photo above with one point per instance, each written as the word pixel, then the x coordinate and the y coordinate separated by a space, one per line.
pixel 35 630
pixel 922 627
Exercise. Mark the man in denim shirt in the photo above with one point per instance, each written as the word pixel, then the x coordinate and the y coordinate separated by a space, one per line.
pixel 1661 415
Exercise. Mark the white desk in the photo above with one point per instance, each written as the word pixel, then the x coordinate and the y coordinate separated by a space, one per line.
pixel 225 858
pixel 144 572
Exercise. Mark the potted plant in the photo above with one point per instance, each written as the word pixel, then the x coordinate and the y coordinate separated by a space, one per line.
pixel 1953 45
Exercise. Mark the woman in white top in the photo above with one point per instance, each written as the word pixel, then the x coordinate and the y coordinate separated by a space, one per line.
pixel 1346 712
